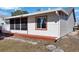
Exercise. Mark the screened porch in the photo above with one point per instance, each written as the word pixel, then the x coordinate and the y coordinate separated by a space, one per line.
pixel 18 24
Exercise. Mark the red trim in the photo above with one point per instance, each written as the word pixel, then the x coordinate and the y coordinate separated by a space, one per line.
pixel 36 23
pixel 37 37
pixel 40 28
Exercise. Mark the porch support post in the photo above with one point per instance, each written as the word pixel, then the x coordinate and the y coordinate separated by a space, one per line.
pixel 20 23
pixel 27 25
pixel 14 23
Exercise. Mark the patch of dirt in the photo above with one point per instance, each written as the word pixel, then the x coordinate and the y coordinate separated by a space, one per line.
pixel 70 42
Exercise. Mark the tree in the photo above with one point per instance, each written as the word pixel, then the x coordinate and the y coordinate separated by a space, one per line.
pixel 18 12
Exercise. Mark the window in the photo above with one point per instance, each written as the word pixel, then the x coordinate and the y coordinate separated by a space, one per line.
pixel 17 24
pixel 24 24
pixel 41 22
pixel 11 24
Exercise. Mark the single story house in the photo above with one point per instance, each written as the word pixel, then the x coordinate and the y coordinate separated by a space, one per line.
pixel 48 24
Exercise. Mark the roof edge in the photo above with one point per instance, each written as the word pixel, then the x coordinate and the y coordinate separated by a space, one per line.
pixel 36 13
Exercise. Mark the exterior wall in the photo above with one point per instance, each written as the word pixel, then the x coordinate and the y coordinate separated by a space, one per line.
pixel 66 26
pixel 53 25
pixel 19 31
pixel 56 27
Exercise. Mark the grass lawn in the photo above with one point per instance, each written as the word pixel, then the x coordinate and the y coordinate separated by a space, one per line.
pixel 16 46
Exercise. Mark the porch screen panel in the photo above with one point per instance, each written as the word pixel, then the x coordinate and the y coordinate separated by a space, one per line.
pixel 12 24
pixel 17 24
pixel 24 24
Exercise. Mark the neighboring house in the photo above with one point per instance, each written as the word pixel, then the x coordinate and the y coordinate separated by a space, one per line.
pixel 2 22
pixel 49 24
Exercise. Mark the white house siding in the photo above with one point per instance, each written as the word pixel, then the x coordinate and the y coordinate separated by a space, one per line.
pixel 52 26
pixel 19 31
pixel 66 26
pixel 6 28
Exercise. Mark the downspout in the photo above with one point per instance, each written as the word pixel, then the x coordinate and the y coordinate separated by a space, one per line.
pixel 74 18
pixel 74 15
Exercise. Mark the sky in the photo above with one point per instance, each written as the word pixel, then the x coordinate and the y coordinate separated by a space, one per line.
pixel 7 10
